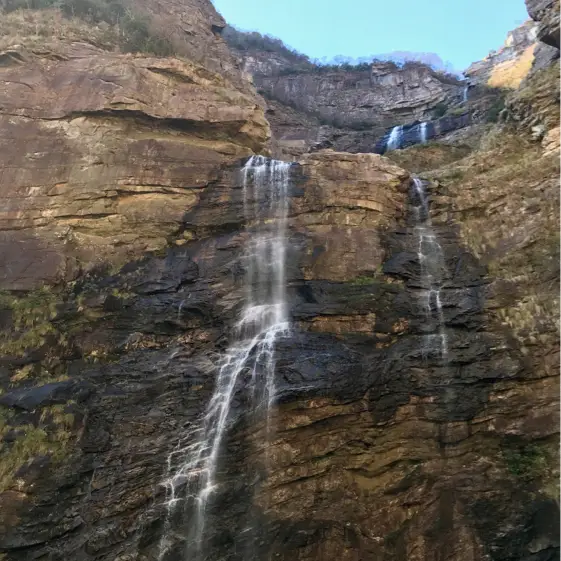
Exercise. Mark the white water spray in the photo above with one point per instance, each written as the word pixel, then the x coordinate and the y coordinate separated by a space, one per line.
pixel 465 94
pixel 249 362
pixel 433 270
pixel 424 131
pixel 395 139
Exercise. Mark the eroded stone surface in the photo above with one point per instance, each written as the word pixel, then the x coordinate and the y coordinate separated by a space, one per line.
pixel 508 66
pixel 546 12
pixel 102 155
pixel 381 448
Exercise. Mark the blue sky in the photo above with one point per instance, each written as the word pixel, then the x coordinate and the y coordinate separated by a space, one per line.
pixel 460 31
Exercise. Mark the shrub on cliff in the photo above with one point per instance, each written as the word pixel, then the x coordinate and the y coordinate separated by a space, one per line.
pixel 493 113
pixel 439 110
pixel 252 40
pixel 132 30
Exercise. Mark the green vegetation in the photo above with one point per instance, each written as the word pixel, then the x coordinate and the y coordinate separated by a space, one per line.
pixel 131 31
pixel 439 110
pixel 301 64
pixel 31 321
pixel 495 110
pixel 245 41
pixel 457 111
pixel 49 438
pixel 30 443
pixel 528 461
pixel 373 277
pixel 348 67
pixel 59 415
pixel 362 280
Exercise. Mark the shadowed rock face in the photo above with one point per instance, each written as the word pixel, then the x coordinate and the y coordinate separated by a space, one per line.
pixel 309 106
pixel 379 97
pixel 546 12
pixel 412 134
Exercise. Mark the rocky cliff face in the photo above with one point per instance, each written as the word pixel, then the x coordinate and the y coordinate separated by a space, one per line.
pixel 194 29
pixel 354 109
pixel 103 153
pixel 124 272
pixel 507 67
pixel 350 108
pixel 367 415
pixel 381 96
pixel 546 12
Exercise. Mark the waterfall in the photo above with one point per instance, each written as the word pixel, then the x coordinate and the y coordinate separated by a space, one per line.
pixel 433 271
pixel 424 127
pixel 465 94
pixel 249 362
pixel 395 139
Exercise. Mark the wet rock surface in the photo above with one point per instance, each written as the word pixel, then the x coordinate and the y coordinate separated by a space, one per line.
pixel 381 448
pixel 125 276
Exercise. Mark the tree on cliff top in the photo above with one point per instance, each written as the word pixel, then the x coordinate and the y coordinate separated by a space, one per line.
pixel 253 40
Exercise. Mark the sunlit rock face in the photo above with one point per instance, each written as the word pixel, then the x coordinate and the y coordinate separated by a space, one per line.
pixel 508 66
pixel 102 154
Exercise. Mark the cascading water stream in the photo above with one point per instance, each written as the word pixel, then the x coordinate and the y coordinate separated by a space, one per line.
pixel 249 362
pixel 465 94
pixel 433 270
pixel 395 139
pixel 424 132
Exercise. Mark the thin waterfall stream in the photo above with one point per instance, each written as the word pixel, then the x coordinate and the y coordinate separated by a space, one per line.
pixel 395 139
pixel 433 271
pixel 248 363
pixel 424 132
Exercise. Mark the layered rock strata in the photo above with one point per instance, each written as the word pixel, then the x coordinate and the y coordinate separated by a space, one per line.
pixel 103 153
pixel 508 66
pixel 124 277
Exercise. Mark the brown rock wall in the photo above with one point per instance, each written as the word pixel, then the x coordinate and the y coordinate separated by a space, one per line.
pixel 349 201
pixel 102 155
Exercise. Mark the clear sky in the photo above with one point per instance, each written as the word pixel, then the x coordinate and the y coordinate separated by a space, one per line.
pixel 460 31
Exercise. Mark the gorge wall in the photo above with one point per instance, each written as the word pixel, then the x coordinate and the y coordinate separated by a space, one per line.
pixel 123 235
pixel 354 108
pixel 350 108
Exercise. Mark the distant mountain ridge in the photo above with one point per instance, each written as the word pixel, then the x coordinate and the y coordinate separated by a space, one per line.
pixel 248 40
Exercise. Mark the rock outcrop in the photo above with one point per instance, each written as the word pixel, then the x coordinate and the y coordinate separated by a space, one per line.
pixel 546 12
pixel 355 108
pixel 507 67
pixel 194 29
pixel 381 96
pixel 103 153
pixel 160 314
pixel 367 416
pixel 347 108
